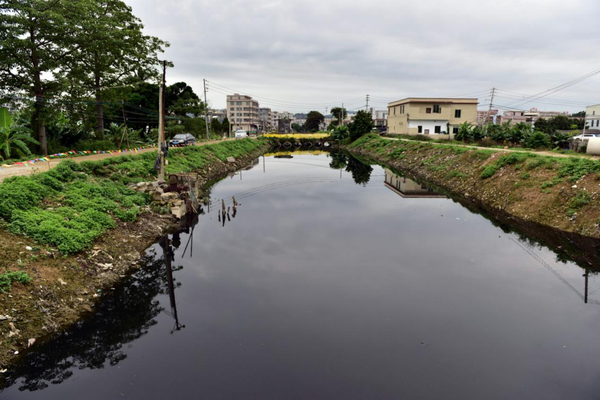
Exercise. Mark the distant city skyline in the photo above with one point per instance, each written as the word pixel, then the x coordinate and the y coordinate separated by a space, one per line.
pixel 294 56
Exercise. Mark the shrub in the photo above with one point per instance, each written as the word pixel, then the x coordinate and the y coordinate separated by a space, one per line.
pixel 537 140
pixel 489 171
pixel 7 279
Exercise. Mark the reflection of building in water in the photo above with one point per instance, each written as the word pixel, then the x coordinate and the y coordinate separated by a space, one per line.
pixel 407 187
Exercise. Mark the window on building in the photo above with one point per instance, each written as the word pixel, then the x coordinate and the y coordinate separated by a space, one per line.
pixel 420 129
pixel 438 129
pixel 457 113
pixel 402 109
pixel 455 129
pixel 437 109
pixel 428 110
pixel 593 112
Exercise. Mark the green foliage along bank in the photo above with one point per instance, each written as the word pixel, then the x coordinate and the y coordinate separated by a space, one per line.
pixel 561 192
pixel 73 204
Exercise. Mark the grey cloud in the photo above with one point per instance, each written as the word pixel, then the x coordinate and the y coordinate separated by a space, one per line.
pixel 316 51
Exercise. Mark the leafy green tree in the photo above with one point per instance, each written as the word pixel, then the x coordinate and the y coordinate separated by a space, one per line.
pixel 225 126
pixel 536 140
pixel 519 132
pixel 580 114
pixel 181 100
pixel 362 124
pixel 313 121
pixel 216 127
pixel 341 133
pixel 297 128
pixel 339 113
pixel 111 51
pixel 14 141
pixel 37 40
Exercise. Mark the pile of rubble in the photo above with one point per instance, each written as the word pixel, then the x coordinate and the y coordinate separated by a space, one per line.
pixel 179 195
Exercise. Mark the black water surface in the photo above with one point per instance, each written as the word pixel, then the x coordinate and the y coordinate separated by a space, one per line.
pixel 348 283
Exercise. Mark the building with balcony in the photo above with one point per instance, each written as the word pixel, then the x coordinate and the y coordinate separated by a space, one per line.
pixel 592 118
pixel 242 112
pixel 430 116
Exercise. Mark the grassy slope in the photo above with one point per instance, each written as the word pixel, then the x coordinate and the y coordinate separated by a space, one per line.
pixel 73 204
pixel 559 192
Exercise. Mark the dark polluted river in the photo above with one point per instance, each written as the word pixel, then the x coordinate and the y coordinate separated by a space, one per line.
pixel 333 280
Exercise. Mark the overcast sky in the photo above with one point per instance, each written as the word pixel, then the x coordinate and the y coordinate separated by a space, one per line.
pixel 307 55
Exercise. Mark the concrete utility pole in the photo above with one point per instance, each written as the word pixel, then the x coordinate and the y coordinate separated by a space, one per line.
pixel 491 104
pixel 161 125
pixel 367 106
pixel 206 111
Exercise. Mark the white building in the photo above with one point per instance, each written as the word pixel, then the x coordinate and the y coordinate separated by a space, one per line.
pixel 592 117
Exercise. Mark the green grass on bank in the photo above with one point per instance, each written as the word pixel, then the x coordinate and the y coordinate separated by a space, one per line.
pixel 8 278
pixel 569 168
pixel 73 204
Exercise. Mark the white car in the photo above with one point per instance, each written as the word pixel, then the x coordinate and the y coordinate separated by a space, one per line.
pixel 241 134
pixel 585 136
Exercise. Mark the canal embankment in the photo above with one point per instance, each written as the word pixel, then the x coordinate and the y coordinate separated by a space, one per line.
pixel 553 199
pixel 69 235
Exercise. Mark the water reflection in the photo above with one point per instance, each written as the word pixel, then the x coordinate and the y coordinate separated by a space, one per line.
pixel 408 188
pixel 324 289
pixel 125 315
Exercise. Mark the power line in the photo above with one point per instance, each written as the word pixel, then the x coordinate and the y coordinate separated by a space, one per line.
pixel 558 88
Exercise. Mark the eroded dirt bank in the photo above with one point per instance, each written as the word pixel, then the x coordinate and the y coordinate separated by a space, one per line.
pixel 555 201
pixel 65 289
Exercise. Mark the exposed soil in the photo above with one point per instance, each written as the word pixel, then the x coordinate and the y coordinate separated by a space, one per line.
pixel 65 289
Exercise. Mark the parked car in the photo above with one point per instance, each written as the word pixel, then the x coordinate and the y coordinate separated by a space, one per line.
pixel 241 134
pixel 585 136
pixel 182 139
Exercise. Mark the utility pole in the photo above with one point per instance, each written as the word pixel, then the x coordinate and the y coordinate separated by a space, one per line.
pixel 491 104
pixel 161 126
pixel 342 116
pixel 367 106
pixel 125 130
pixel 206 110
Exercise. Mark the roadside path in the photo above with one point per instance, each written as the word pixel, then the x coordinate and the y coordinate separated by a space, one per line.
pixel 41 166
pixel 542 153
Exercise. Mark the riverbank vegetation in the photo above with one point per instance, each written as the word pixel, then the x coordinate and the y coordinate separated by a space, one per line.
pixel 554 134
pixel 83 76
pixel 47 221
pixel 73 204
pixel 560 192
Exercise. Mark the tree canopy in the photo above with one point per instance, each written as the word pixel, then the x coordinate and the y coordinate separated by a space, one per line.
pixel 362 124
pixel 313 121
pixel 82 48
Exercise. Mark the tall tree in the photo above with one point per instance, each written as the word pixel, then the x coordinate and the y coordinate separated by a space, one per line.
pixel 113 51
pixel 215 126
pixel 339 113
pixel 181 100
pixel 225 126
pixel 37 37
pixel 362 124
pixel 313 121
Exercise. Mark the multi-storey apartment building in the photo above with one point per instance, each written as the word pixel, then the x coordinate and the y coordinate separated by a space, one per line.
pixel 265 119
pixel 430 116
pixel 242 112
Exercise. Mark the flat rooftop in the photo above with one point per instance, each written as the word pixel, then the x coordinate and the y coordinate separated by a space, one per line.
pixel 437 100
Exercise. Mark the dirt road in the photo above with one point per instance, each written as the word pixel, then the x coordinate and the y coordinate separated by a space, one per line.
pixel 28 169
pixel 541 153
